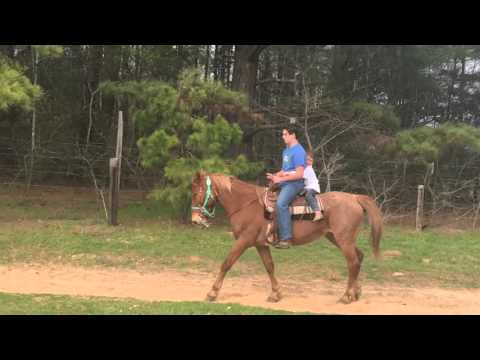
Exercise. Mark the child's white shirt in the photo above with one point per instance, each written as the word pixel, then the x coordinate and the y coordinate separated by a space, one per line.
pixel 311 180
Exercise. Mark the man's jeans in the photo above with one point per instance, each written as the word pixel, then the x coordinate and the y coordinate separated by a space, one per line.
pixel 288 193
pixel 312 199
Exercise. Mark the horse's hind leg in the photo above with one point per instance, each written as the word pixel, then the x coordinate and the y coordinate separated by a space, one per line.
pixel 354 258
pixel 264 252
pixel 359 254
pixel 238 249
pixel 353 262
pixel 358 288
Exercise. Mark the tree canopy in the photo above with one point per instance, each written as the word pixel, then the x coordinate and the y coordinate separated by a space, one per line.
pixel 363 109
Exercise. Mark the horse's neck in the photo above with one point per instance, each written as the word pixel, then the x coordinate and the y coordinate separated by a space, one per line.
pixel 240 196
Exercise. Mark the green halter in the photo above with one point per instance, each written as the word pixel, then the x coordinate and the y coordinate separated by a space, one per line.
pixel 208 196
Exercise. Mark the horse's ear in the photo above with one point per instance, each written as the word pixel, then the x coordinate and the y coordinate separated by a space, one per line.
pixel 200 174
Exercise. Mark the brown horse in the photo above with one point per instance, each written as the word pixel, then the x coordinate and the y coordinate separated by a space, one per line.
pixel 244 206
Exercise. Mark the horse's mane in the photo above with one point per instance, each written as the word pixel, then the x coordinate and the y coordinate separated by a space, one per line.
pixel 228 182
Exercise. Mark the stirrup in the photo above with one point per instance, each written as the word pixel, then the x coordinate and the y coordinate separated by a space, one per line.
pixel 270 236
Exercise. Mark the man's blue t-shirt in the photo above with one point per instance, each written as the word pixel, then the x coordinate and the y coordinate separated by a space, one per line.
pixel 292 158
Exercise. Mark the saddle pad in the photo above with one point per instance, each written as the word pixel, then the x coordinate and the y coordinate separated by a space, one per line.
pixel 300 210
pixel 299 206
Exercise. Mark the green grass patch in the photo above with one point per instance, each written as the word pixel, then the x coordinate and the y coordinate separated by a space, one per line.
pixel 13 304
pixel 150 237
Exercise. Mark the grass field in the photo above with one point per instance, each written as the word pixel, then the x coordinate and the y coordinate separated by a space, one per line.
pixel 13 304
pixel 68 228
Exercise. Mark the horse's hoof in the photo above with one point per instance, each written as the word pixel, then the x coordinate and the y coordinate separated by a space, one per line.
pixel 211 297
pixel 358 294
pixel 274 297
pixel 346 300
pixel 350 296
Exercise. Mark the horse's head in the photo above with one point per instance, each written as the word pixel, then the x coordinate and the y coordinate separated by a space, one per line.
pixel 203 199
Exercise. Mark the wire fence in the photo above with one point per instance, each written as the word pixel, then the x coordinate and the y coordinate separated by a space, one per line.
pixel 451 188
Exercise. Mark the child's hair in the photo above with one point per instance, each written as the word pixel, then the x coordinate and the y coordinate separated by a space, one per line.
pixel 310 154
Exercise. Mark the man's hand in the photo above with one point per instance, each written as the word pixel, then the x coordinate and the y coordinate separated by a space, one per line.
pixel 283 176
pixel 274 178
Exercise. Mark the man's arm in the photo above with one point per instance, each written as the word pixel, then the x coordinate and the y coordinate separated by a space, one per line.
pixel 281 173
pixel 297 175
pixel 274 174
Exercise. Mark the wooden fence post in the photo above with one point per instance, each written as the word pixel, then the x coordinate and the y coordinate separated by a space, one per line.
pixel 115 172
pixel 119 150
pixel 420 199
pixel 112 219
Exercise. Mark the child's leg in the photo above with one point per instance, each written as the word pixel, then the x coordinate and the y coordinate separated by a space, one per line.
pixel 310 196
pixel 311 200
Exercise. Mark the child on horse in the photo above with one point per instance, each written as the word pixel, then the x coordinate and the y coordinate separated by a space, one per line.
pixel 312 187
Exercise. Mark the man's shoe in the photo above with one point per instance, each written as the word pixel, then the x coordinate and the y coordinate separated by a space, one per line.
pixel 283 245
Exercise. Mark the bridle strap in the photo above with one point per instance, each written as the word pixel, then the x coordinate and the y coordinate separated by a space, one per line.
pixel 208 195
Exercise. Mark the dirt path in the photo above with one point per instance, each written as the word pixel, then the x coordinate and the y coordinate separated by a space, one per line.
pixel 315 296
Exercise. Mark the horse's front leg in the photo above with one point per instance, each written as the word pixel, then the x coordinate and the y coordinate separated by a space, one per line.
pixel 238 249
pixel 265 254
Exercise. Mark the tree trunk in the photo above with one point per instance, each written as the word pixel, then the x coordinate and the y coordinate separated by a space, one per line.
pixel 34 118
pixel 462 88
pixel 265 73
pixel 245 69
pixel 306 99
pixel 207 63
pixel 111 71
pixel 221 64
pixel 95 62
pixel 451 89
pixel 228 65
pixel 92 73
pixel 216 61
pixel 138 59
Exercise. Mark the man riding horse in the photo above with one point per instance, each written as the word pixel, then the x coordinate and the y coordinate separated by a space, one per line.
pixel 245 205
pixel 292 183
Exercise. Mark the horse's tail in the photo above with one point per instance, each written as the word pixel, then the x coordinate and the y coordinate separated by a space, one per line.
pixel 376 221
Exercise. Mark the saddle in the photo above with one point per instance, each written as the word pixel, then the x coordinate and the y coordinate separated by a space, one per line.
pixel 299 209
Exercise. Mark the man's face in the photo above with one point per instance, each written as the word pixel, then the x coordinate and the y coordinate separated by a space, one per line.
pixel 287 137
